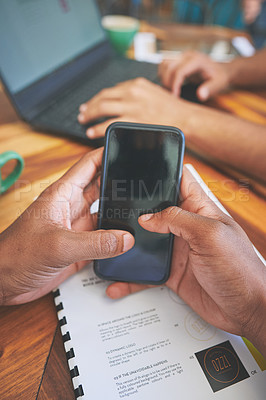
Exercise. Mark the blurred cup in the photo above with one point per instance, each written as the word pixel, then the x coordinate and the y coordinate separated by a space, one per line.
pixel 120 30
pixel 14 175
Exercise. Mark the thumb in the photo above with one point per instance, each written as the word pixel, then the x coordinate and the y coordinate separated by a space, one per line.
pixel 209 89
pixel 192 227
pixel 74 246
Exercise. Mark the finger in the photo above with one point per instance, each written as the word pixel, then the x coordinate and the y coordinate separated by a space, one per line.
pixel 99 130
pixel 113 101
pixel 168 73
pixel 193 228
pixel 171 76
pixel 161 68
pixel 122 289
pixel 103 108
pixel 92 191
pixel 187 68
pixel 195 199
pixel 209 89
pixel 73 246
pixel 113 93
pixel 82 173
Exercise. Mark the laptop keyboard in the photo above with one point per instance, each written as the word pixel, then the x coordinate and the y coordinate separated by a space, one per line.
pixel 61 115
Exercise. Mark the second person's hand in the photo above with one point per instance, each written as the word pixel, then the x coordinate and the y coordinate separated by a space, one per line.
pixel 138 100
pixel 211 76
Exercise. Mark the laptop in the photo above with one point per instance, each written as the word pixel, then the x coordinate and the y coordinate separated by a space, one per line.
pixel 54 56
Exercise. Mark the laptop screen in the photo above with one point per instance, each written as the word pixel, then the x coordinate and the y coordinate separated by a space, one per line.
pixel 37 37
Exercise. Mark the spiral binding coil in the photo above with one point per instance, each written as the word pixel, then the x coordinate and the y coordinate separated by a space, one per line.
pixel 70 354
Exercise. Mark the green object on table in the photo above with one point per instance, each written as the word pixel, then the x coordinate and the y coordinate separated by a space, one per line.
pixel 120 31
pixel 14 175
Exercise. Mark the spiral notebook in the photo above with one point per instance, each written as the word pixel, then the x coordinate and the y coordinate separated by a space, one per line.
pixel 151 345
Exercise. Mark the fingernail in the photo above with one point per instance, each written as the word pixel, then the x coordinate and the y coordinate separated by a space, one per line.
pixel 127 241
pixel 145 217
pixel 204 93
pixel 90 132
pixel 81 117
pixel 113 292
pixel 83 107
pixel 175 91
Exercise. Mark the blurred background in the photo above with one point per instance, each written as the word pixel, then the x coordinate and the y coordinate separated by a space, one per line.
pixel 244 15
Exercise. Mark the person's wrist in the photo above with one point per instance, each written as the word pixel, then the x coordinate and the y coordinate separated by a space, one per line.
pixel 191 118
pixel 186 116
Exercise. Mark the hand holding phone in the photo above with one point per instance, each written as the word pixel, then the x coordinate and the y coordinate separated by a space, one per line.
pixel 142 168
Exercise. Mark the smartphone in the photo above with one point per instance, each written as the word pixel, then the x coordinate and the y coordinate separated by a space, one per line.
pixel 141 173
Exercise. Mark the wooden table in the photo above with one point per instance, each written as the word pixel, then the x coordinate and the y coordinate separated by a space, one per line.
pixel 32 358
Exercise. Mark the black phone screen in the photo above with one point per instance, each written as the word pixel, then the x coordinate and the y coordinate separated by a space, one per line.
pixel 142 168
